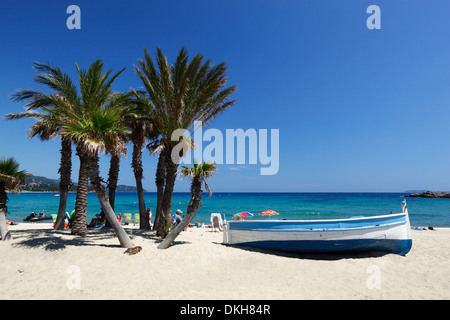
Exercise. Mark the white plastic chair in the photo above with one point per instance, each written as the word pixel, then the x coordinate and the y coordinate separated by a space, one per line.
pixel 216 221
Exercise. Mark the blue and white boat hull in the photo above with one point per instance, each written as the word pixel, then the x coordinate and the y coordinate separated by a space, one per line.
pixel 389 233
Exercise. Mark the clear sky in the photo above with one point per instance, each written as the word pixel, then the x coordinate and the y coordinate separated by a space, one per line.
pixel 357 109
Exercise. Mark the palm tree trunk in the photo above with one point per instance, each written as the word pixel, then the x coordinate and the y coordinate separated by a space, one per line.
pixel 79 226
pixel 138 143
pixel 159 180
pixel 4 232
pixel 166 204
pixel 114 168
pixel 143 223
pixel 192 208
pixel 65 171
pixel 113 177
pixel 93 172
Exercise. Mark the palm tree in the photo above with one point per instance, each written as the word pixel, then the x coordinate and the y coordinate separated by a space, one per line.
pixel 113 178
pixel 53 109
pixel 119 101
pixel 199 173
pixel 179 95
pixel 97 130
pixel 137 117
pixel 91 124
pixel 47 128
pixel 10 178
pixel 160 177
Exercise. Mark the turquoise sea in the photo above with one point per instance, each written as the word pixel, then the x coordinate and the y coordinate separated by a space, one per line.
pixel 423 212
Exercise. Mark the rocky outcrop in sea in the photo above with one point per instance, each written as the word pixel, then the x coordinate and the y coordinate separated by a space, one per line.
pixel 430 194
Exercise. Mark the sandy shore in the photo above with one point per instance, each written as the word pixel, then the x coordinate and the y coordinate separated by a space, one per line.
pixel 40 263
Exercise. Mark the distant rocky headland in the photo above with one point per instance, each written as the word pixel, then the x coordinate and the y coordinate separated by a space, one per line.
pixel 430 194
pixel 43 184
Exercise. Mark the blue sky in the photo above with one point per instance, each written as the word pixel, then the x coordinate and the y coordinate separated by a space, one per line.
pixel 357 109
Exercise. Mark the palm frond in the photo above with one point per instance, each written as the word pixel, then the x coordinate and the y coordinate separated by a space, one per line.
pixel 199 171
pixel 57 80
pixel 182 93
pixel 23 115
pixel 10 174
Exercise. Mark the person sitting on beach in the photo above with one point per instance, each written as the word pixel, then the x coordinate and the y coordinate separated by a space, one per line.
pixel 99 218
pixel 177 218
pixel 119 218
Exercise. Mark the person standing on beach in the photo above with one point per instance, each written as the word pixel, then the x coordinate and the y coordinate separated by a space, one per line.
pixel 149 218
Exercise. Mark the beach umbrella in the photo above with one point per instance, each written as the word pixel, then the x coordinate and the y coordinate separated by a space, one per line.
pixel 244 214
pixel 268 213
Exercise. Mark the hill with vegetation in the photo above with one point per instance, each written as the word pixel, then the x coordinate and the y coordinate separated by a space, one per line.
pixel 43 184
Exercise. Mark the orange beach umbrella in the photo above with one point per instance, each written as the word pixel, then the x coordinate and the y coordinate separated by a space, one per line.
pixel 268 213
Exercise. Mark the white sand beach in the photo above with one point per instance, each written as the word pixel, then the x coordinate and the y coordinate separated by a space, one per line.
pixel 40 263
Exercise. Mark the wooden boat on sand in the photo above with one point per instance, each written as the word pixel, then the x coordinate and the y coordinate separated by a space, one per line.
pixel 388 233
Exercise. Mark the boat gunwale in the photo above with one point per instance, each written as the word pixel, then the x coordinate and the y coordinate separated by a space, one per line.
pixel 393 224
pixel 322 220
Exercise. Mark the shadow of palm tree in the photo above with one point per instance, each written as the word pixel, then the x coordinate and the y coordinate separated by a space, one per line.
pixel 151 235
pixel 145 234
pixel 53 240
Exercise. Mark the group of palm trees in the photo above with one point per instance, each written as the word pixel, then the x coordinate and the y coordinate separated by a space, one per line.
pixel 98 120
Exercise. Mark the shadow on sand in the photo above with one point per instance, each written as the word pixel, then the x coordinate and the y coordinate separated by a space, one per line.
pixel 53 240
pixel 332 256
pixel 151 235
